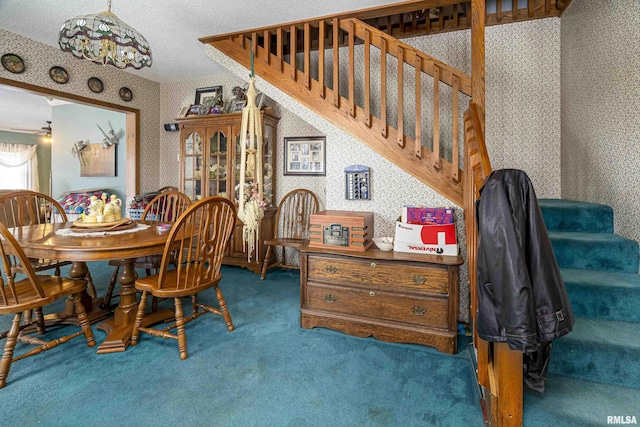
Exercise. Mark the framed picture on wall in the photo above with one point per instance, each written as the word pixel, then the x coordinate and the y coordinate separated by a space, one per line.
pixel 305 155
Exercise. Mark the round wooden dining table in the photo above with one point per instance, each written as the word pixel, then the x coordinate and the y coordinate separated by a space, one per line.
pixel 42 241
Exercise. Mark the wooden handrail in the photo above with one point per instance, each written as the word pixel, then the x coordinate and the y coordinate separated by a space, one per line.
pixel 368 13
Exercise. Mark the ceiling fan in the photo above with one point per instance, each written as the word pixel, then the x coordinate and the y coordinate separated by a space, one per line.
pixel 45 130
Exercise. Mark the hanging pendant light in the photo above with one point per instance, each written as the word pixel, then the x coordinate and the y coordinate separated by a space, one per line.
pixel 251 212
pixel 105 39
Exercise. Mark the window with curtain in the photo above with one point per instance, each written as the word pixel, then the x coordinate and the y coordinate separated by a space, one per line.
pixel 18 167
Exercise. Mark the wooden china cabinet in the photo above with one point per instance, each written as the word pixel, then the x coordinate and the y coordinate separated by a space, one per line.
pixel 210 166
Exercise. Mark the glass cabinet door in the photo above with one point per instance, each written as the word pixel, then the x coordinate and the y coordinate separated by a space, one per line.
pixel 218 164
pixel 193 166
pixel 268 163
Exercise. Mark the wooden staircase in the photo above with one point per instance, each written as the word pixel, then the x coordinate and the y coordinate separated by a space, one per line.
pixel 305 60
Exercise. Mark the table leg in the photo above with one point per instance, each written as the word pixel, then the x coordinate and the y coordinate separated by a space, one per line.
pixel 120 326
pixel 78 270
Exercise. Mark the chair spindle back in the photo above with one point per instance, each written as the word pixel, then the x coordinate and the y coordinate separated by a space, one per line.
pixel 166 206
pixel 24 207
pixel 294 213
pixel 8 295
pixel 199 238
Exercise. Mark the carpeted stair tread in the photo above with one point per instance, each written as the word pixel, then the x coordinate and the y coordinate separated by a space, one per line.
pixel 599 350
pixel 603 294
pixel 570 215
pixel 570 402
pixel 595 251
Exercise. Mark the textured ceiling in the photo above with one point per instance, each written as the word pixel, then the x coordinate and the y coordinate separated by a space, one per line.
pixel 171 27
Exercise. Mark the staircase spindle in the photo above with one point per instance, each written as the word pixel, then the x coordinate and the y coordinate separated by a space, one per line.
pixel 321 35
pixel 367 78
pixel 400 51
pixel 293 37
pixel 455 166
pixel 531 7
pixel 279 42
pixel 418 140
pixel 383 88
pixel 514 9
pixel 436 117
pixel 352 91
pixel 307 54
pixel 254 43
pixel 498 10
pixel 336 63
pixel 267 46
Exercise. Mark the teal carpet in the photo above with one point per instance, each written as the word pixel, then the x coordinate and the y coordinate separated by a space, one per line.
pixel 268 372
pixel 595 370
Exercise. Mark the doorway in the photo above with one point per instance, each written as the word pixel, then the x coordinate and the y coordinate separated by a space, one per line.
pixel 131 131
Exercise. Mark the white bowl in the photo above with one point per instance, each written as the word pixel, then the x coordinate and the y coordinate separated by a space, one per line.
pixel 383 243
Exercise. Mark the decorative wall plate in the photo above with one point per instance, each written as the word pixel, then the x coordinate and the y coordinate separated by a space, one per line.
pixel 59 75
pixel 95 85
pixel 12 63
pixel 125 94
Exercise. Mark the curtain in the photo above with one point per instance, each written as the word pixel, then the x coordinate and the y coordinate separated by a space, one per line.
pixel 18 167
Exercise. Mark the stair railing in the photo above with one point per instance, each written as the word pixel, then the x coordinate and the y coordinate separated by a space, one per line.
pixel 305 60
pixel 499 369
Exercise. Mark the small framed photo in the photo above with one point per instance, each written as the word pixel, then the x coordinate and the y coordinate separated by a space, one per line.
pixel 239 105
pixel 184 111
pixel 204 93
pixel 305 155
pixel 229 106
pixel 193 110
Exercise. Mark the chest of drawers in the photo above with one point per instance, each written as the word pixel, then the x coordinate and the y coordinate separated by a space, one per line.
pixel 392 296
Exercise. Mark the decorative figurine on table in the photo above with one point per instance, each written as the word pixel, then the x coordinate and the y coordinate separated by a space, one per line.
pixel 116 205
pixel 96 210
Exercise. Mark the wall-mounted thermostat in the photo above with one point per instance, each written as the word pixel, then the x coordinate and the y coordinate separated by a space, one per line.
pixel 358 184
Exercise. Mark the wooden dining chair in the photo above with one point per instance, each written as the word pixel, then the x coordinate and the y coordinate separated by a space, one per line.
pixel 291 226
pixel 199 238
pixel 31 293
pixel 165 207
pixel 23 207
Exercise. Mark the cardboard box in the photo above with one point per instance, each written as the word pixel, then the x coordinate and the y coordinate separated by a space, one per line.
pixel 424 215
pixel 438 239
pixel 345 230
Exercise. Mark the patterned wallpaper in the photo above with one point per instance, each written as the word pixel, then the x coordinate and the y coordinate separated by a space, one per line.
pixel 523 64
pixel 39 57
pixel 600 105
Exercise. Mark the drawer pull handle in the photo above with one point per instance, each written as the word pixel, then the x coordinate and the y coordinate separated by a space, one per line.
pixel 419 280
pixel 330 298
pixel 330 269
pixel 418 311
pixel 373 265
pixel 372 294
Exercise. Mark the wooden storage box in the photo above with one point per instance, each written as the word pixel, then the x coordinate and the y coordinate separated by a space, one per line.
pixel 346 230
